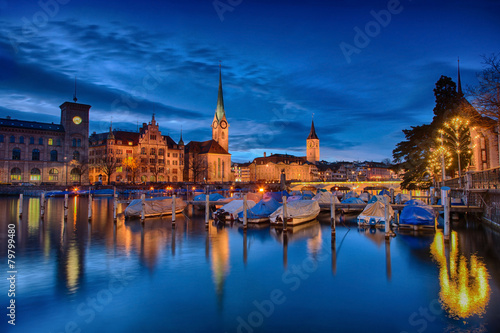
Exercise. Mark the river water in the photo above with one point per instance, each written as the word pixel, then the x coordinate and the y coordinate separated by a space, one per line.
pixel 76 276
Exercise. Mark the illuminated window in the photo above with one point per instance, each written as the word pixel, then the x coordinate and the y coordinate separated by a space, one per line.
pixel 50 142
pixel 75 175
pixel 35 174
pixel 53 175
pixel 15 174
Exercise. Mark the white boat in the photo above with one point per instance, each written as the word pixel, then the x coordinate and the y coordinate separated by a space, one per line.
pixel 374 214
pixel 261 211
pixel 230 210
pixel 324 200
pixel 154 207
pixel 299 211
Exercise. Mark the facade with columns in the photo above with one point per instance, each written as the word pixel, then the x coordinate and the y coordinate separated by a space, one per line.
pixel 144 156
pixel 37 152
pixel 210 161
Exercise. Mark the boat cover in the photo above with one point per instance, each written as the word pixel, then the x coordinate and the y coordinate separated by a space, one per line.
pixel 324 198
pixel 376 211
pixel 263 208
pixel 384 192
pixel 278 196
pixel 417 215
pixel 297 209
pixel 154 206
pixel 351 194
pixel 401 198
pixel 365 196
pixel 235 206
pixel 384 198
pixel 353 201
pixel 307 195
pixel 211 197
pixel 415 202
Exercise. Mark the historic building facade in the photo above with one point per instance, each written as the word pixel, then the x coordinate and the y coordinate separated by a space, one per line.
pixel 48 153
pixel 144 156
pixel 269 168
pixel 210 161
pixel 312 151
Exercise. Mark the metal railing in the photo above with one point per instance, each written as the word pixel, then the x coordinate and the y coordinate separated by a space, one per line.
pixel 487 179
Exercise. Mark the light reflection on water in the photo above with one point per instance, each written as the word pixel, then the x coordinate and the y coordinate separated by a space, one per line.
pixel 153 277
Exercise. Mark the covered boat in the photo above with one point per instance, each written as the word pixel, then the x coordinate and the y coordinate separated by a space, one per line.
pixel 261 211
pixel 357 205
pixel 299 211
pixel 278 196
pixel 324 200
pixel 154 207
pixel 230 210
pixel 374 214
pixel 211 197
pixel 417 214
pixel 401 198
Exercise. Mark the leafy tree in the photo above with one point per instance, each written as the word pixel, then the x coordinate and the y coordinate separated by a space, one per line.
pixel 132 164
pixel 80 167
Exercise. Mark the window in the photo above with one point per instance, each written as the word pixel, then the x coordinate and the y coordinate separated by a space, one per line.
pixel 1 137
pixel 119 169
pixel 12 139
pixel 75 175
pixel 58 142
pixel 152 161
pixel 32 140
pixel 143 161
pixel 76 155
pixel 168 154
pixel 15 174
pixel 53 175
pixel 161 170
pixel 175 155
pixel 73 143
pixel 161 161
pixel 161 151
pixel 152 151
pixel 35 174
pixel 35 155
pixel 152 169
pixel 174 171
pixel 16 154
pixel 21 139
pixel 79 142
pixel 50 141
pixel 129 151
pixel 144 169
pixel 152 178
pixel 152 137
pixel 168 162
pixel 161 178
pixel 143 178
pixel 119 151
pixel 174 162
pixel 40 141
pixel 118 160
pixel 143 151
pixel 174 178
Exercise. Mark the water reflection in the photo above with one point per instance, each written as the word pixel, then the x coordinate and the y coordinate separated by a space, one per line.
pixel 465 289
pixel 219 259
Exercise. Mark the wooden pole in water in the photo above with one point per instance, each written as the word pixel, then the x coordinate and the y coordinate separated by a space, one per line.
pixel 21 199
pixel 332 216
pixel 411 195
pixel 207 209
pixel 66 206
pixel 143 206
pixel 90 207
pixel 392 195
pixel 431 195
pixel 387 222
pixel 115 205
pixel 285 215
pixel 173 211
pixel 245 207
pixel 445 201
pixel 42 205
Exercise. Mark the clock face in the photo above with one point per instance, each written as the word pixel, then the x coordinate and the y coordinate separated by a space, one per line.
pixel 77 120
pixel 214 124
pixel 223 124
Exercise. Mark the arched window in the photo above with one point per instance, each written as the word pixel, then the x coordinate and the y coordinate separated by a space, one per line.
pixel 16 154
pixel 40 141
pixel 79 142
pixel 143 178
pixel 53 156
pixel 143 151
pixel 222 135
pixel 12 139
pixel 15 174
pixel 50 141
pixel 152 151
pixel 161 178
pixel 152 179
pixel 32 140
pixel 35 155
pixel 21 139
pixel 73 144
pixel 75 175
pixel 35 174
pixel 76 155
pixel 53 175
pixel 174 178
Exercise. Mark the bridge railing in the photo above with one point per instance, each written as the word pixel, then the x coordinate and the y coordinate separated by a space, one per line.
pixel 487 179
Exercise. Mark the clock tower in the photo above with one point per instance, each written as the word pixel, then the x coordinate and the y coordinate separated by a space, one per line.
pixel 312 145
pixel 220 126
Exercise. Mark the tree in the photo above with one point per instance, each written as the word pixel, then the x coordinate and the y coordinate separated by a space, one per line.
pixel 108 165
pixel 455 138
pixel 197 167
pixel 132 165
pixel 80 168
pixel 486 95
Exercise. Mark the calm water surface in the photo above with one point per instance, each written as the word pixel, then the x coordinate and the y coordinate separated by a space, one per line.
pixel 100 277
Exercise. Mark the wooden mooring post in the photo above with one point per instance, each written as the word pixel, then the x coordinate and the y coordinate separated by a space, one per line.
pixel 173 211
pixel 21 199
pixel 115 205
pixel 89 210
pixel 285 215
pixel 143 207
pixel 207 210
pixel 245 207
pixel 445 201
pixel 332 217
pixel 42 205
pixel 66 206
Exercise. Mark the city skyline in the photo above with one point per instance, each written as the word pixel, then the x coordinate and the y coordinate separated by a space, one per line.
pixel 366 70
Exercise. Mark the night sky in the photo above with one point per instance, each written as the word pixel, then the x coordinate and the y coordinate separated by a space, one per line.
pixel 282 62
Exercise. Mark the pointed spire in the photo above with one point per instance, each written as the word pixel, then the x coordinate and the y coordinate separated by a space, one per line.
pixel 181 143
pixel 312 133
pixel 219 112
pixel 459 90
pixel 111 136
pixel 74 95
pixel 153 120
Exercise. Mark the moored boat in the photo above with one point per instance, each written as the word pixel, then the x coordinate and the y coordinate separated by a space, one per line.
pixel 154 207
pixel 261 211
pixel 374 214
pixel 417 215
pixel 299 211
pixel 230 210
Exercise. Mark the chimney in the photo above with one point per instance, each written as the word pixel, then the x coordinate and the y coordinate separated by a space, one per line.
pixel 264 154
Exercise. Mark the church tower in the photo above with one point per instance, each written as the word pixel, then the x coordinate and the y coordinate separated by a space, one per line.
pixel 220 126
pixel 312 145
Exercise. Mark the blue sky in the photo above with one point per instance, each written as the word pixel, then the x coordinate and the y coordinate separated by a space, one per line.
pixel 282 62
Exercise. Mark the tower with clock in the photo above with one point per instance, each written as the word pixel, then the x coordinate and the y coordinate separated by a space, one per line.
pixel 312 145
pixel 220 126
